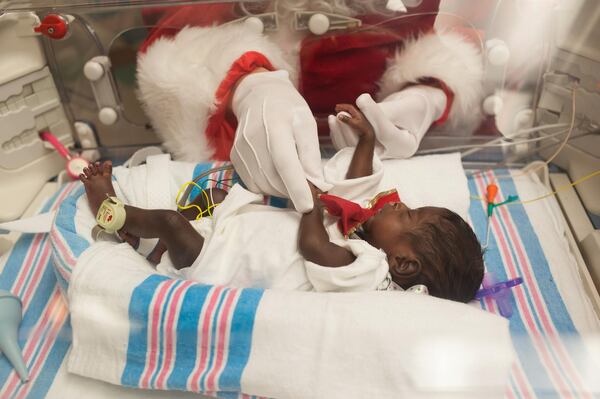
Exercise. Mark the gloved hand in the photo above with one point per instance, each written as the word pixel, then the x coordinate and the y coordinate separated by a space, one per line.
pixel 276 147
pixel 400 121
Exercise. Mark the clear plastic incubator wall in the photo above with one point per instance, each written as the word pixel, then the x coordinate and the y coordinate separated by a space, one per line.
pixel 68 68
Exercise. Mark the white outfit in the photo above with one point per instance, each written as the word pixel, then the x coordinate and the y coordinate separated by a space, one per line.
pixel 247 244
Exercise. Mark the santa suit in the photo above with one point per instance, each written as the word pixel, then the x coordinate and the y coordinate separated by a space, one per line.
pixel 187 79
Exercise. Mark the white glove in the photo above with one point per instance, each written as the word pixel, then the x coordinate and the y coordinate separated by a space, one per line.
pixel 400 121
pixel 276 147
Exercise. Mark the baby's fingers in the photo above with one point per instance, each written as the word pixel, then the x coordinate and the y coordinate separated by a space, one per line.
pixel 349 108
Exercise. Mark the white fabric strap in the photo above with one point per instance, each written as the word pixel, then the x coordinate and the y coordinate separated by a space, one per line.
pixel 35 224
pixel 158 182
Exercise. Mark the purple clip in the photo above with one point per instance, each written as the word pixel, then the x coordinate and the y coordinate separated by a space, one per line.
pixel 499 291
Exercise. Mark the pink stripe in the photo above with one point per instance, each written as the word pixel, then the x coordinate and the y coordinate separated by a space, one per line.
pixel 565 360
pixel 55 298
pixel 521 381
pixel 35 279
pixel 168 357
pixel 26 268
pixel 550 329
pixel 524 306
pixel 205 331
pixel 49 340
pixel 34 339
pixel 223 330
pixel 58 266
pixel 154 327
pixel 58 239
pixel 64 250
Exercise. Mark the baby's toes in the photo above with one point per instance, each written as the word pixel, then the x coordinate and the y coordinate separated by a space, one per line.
pixel 107 168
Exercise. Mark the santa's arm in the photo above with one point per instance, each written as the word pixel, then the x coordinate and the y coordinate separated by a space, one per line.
pixel 402 119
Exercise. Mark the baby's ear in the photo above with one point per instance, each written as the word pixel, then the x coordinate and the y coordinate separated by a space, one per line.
pixel 404 268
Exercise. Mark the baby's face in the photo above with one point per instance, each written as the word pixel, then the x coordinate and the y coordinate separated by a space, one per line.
pixel 387 229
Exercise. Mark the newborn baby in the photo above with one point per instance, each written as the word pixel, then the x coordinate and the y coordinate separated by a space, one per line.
pixel 346 248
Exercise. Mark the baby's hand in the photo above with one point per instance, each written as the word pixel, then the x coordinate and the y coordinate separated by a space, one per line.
pixel 357 120
pixel 314 190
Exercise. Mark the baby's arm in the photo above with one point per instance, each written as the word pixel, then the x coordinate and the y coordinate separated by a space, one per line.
pixel 314 241
pixel 362 161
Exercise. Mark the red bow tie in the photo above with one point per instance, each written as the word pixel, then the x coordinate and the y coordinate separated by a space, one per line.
pixel 353 215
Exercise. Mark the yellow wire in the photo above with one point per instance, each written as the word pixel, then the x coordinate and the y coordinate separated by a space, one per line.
pixel 201 212
pixel 559 189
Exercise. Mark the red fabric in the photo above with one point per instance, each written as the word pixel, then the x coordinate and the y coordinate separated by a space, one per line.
pixel 353 215
pixel 167 21
pixel 338 67
pixel 220 130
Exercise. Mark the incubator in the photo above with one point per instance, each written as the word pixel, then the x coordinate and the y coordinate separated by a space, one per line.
pixel 68 77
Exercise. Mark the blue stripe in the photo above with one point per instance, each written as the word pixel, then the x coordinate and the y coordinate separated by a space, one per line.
pixel 39 300
pixel 65 223
pixel 213 339
pixel 559 315
pixel 33 269
pixel 198 170
pixel 15 261
pixel 548 290
pixel 524 347
pixel 540 268
pixel 187 335
pixel 240 339
pixel 137 346
pixel 46 375
pixel 161 329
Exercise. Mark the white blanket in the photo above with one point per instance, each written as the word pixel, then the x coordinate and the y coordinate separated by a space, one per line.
pixel 127 320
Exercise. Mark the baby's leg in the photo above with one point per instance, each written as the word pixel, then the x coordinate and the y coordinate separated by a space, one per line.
pixel 182 241
pixel 215 196
pixel 100 175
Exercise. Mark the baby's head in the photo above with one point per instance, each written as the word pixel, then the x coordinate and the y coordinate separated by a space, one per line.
pixel 430 246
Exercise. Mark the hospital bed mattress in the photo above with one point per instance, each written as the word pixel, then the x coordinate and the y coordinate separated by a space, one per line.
pixel 551 321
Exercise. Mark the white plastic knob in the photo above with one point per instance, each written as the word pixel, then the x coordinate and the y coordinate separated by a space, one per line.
pixel 412 3
pixel 256 24
pixel 492 105
pixel 523 119
pixel 93 70
pixel 108 116
pixel 497 52
pixel 318 24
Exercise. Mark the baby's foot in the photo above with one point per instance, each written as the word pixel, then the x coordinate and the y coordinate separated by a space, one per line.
pixel 97 181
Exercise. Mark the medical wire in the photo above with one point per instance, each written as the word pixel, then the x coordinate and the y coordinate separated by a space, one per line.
pixel 551 158
pixel 558 190
pixel 494 143
pixel 501 143
pixel 209 200
pixel 516 134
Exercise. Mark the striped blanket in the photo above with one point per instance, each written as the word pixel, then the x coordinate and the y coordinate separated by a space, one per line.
pixel 45 333
pixel 548 365
pixel 550 359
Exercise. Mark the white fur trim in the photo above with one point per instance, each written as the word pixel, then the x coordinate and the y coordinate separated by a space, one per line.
pixel 178 78
pixel 448 57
